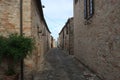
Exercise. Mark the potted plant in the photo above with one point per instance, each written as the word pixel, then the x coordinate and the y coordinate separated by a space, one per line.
pixel 16 48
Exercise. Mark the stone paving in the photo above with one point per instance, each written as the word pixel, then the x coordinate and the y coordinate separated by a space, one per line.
pixel 58 65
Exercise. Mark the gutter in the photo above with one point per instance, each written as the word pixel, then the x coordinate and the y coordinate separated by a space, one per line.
pixel 21 33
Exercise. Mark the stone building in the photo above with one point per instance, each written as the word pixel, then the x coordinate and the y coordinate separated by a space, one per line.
pixel 34 25
pixel 97 36
pixel 66 36
pixel 53 42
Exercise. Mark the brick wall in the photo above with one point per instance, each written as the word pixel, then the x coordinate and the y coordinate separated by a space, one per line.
pixel 97 43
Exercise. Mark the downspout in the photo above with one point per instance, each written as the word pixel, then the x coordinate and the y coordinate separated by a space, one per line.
pixel 69 34
pixel 21 33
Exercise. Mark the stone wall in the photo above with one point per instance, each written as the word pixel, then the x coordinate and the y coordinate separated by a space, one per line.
pixel 71 36
pixel 66 36
pixel 41 34
pixel 33 23
pixel 10 20
pixel 27 18
pixel 97 43
pixel 34 26
pixel 61 40
pixel 54 43
pixel 9 16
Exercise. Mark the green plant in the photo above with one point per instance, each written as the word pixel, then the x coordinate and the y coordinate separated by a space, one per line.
pixel 14 49
pixel 19 46
pixel 10 72
pixel 3 47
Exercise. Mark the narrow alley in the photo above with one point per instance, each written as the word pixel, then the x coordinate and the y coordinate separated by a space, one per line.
pixel 58 65
pixel 86 32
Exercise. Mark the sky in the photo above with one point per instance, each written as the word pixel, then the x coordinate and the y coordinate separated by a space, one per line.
pixel 56 13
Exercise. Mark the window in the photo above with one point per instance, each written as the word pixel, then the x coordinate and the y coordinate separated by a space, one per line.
pixel 88 9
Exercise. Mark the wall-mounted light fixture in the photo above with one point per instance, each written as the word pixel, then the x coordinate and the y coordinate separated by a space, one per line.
pixel 43 6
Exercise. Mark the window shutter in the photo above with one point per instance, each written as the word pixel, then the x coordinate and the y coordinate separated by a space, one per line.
pixel 85 9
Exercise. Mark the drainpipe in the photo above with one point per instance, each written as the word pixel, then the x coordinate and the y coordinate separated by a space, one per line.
pixel 21 33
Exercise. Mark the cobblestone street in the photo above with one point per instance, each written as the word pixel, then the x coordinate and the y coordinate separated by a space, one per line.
pixel 58 65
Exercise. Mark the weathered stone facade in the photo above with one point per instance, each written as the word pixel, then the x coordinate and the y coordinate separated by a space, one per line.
pixel 97 40
pixel 52 42
pixel 34 25
pixel 66 36
pixel 71 36
pixel 9 16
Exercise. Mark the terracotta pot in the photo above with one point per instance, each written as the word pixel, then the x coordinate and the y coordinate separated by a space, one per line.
pixel 13 77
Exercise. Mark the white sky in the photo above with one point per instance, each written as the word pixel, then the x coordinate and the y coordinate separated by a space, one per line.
pixel 56 13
